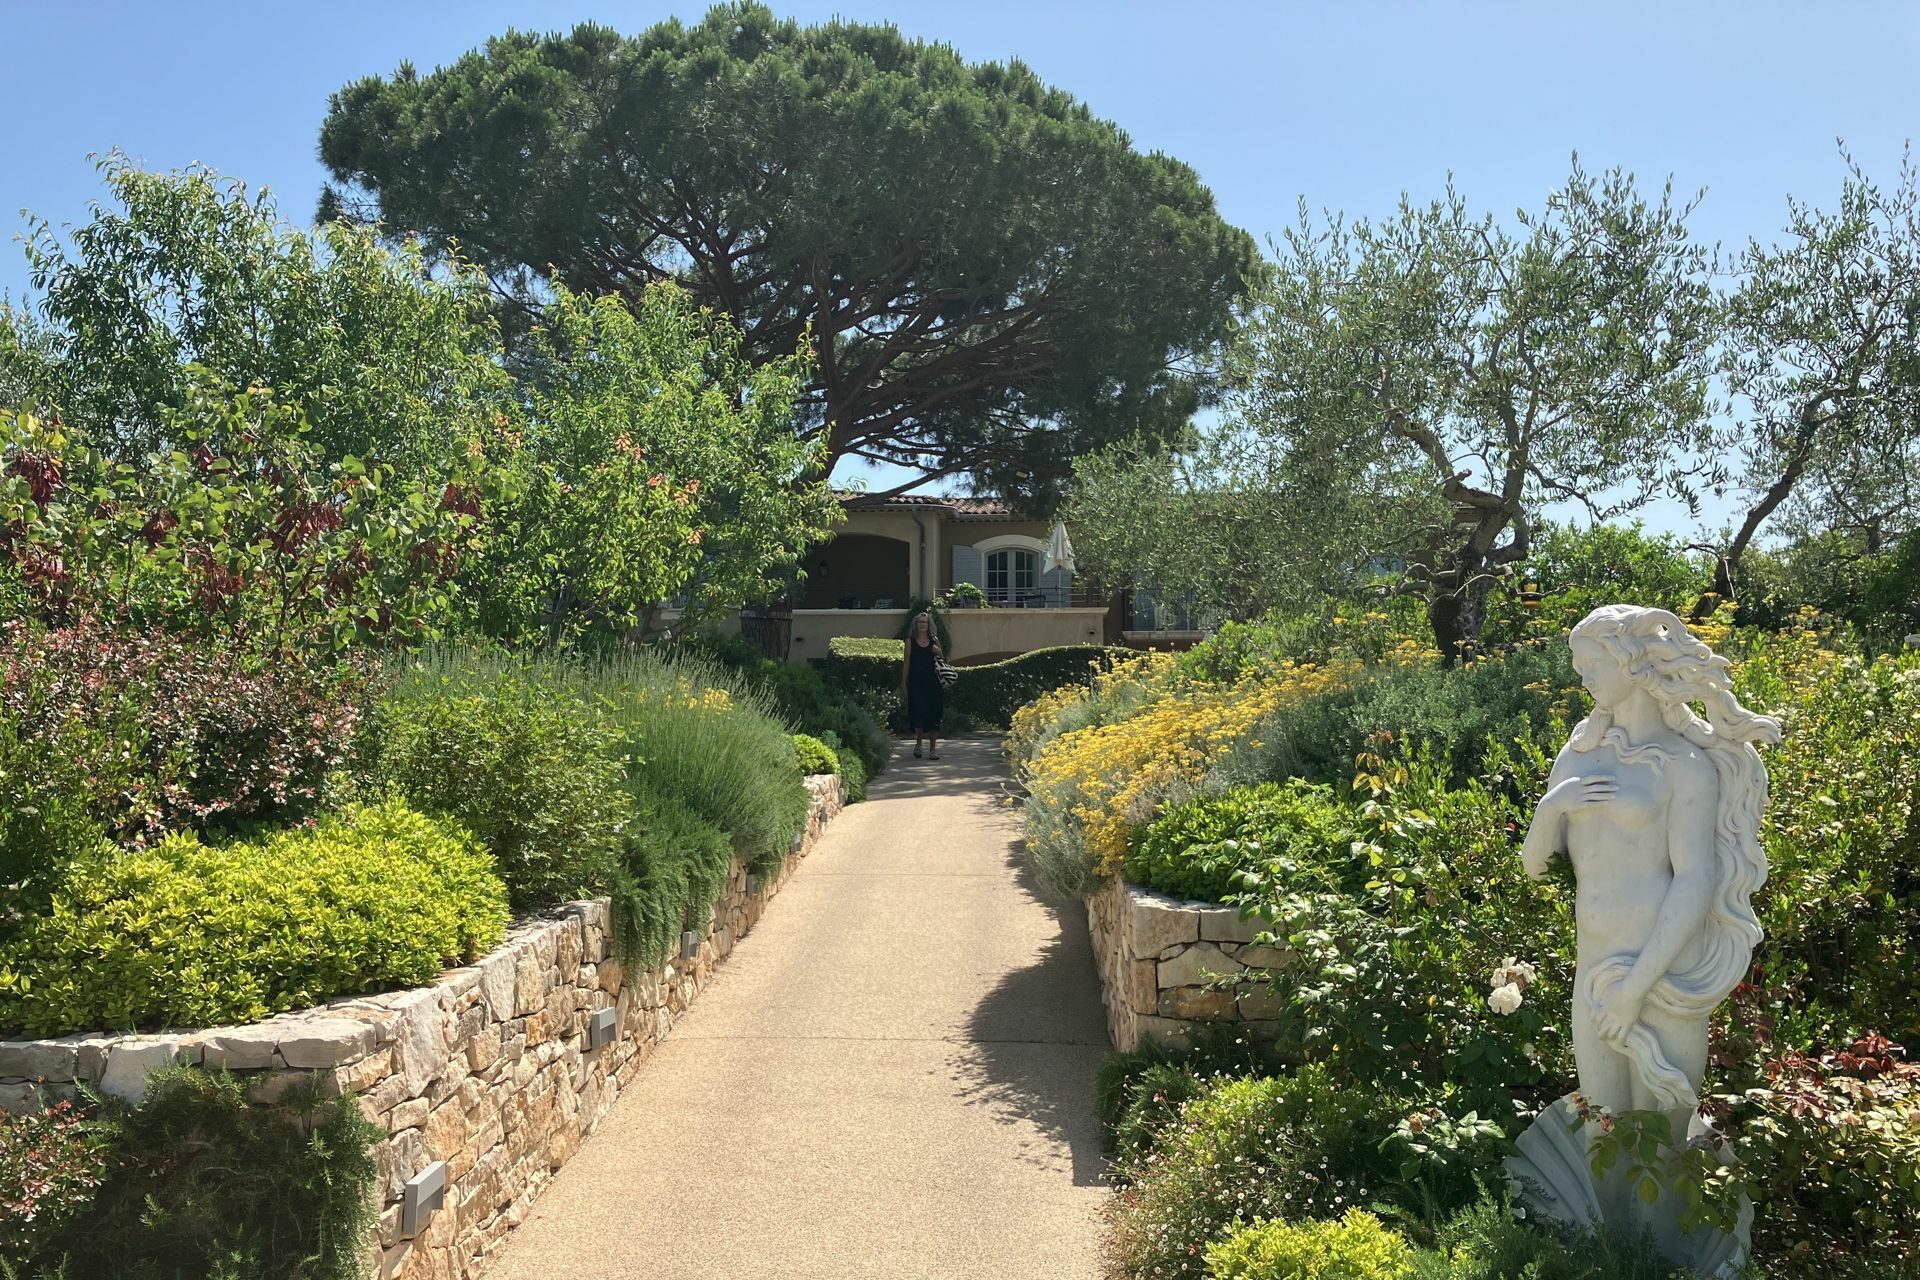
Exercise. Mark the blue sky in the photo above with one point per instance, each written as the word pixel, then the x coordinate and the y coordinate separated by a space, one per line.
pixel 1347 105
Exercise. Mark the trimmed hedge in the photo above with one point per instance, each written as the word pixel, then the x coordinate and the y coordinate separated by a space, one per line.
pixel 184 935
pixel 985 695
pixel 990 693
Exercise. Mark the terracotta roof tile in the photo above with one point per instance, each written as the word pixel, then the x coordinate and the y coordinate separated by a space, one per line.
pixel 960 506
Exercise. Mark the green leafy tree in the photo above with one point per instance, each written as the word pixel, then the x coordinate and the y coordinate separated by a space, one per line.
pixel 1220 523
pixel 991 280
pixel 627 452
pixel 1412 392
pixel 1823 361
pixel 243 531
pixel 384 358
pixel 656 462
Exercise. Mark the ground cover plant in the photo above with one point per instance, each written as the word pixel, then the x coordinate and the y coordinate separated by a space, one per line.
pixel 197 1182
pixel 984 696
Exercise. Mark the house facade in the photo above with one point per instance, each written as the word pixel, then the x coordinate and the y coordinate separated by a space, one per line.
pixel 893 551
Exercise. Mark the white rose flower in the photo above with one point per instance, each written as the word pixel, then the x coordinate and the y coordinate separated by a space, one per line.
pixel 1504 999
pixel 1514 973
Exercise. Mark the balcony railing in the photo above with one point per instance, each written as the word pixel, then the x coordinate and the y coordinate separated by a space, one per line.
pixel 1026 598
pixel 1045 598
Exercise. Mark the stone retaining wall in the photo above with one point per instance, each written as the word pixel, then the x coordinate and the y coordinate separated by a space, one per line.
pixel 486 1070
pixel 1165 964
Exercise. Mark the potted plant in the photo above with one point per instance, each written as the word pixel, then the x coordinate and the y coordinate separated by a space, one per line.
pixel 964 595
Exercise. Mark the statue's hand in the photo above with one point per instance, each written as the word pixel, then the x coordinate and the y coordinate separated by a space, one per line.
pixel 1570 793
pixel 1619 1011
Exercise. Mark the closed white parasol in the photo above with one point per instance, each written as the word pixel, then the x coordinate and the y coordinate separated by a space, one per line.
pixel 1059 550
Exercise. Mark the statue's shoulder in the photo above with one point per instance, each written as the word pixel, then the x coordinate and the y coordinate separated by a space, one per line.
pixel 1693 764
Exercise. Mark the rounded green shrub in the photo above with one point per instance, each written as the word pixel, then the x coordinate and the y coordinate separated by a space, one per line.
pixel 815 756
pixel 189 935
pixel 1354 1247
pixel 1248 1150
pixel 853 768
pixel 523 762
pixel 1198 849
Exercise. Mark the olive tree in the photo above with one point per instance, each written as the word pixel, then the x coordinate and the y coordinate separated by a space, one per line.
pixel 1823 360
pixel 1410 393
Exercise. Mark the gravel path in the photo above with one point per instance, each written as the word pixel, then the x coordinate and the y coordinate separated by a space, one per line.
pixel 892 1075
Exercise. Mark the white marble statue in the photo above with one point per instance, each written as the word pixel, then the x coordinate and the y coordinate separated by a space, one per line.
pixel 1658 809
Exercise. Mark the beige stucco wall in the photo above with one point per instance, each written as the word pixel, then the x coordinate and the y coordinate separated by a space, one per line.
pixel 975 632
pixel 812 628
pixel 941 536
pixel 982 631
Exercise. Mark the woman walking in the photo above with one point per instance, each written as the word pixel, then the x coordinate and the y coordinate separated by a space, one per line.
pixel 920 686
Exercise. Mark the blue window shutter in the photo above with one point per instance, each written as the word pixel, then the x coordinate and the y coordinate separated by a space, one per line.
pixel 969 566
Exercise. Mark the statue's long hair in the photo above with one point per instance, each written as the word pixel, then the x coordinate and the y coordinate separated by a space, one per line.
pixel 1678 670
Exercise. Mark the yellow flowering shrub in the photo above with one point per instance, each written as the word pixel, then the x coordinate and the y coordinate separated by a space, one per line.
pixel 1110 693
pixel 1113 777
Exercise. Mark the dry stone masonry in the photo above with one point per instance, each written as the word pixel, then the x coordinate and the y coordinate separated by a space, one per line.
pixel 487 1070
pixel 1167 965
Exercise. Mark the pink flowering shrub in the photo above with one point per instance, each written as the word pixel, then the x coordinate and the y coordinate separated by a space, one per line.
pixel 114 734
pixel 50 1165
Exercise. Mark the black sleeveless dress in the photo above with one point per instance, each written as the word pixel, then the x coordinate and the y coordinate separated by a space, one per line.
pixel 926 700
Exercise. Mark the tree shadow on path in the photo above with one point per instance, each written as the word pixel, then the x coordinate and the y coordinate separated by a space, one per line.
pixel 1036 1040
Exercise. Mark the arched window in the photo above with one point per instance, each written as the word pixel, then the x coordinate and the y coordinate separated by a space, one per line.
pixel 1012 574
